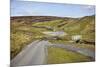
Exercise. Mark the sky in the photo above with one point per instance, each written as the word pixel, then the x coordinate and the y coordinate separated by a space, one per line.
pixel 31 8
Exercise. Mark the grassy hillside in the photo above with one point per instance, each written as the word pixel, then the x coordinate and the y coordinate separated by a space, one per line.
pixel 24 30
pixel 84 27
pixel 21 35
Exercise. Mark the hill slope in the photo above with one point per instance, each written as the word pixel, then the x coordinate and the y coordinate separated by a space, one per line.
pixel 26 29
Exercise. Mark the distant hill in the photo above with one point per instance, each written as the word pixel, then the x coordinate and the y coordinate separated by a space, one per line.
pixel 73 26
pixel 25 29
pixel 30 19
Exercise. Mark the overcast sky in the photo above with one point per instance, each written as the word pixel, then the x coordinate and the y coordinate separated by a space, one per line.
pixel 31 8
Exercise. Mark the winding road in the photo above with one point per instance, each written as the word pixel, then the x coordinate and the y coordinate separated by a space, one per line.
pixel 35 53
pixel 83 51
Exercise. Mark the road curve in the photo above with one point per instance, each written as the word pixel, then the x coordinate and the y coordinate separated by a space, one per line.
pixel 33 54
pixel 83 51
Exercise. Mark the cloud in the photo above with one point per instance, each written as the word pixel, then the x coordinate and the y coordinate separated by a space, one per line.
pixel 89 7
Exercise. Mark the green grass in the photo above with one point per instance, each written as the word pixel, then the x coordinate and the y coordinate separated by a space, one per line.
pixel 48 23
pixel 84 27
pixel 22 35
pixel 80 26
pixel 18 41
pixel 52 24
pixel 58 55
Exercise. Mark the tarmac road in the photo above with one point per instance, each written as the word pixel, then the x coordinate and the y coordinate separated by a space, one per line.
pixel 35 53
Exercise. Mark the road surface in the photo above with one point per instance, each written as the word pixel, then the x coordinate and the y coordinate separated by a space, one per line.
pixel 36 53
pixel 33 54
pixel 83 51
